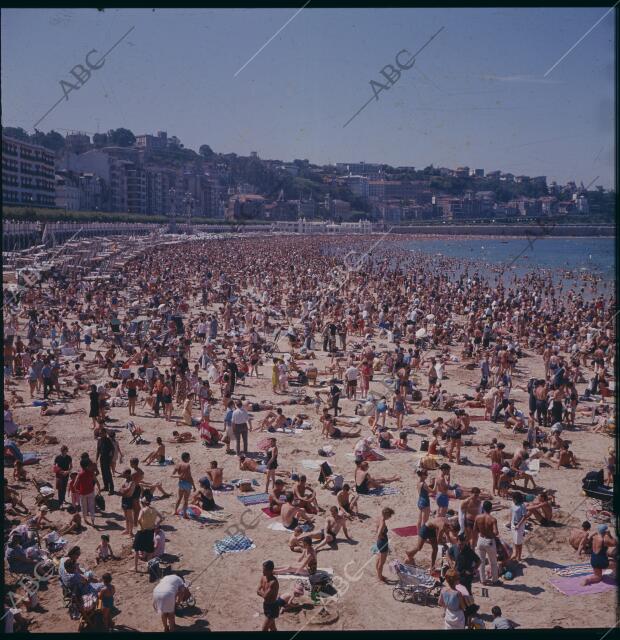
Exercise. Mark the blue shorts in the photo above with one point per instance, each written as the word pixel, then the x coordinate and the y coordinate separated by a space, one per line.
pixel 443 500
pixel 184 485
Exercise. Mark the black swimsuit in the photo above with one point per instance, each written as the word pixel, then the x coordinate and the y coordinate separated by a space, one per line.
pixel 363 488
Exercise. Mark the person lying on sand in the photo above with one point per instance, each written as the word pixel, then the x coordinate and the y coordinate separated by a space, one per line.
pixel 247 464
pixel 186 436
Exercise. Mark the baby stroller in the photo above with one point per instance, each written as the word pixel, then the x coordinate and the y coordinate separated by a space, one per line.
pixel 415 585
pixel 594 488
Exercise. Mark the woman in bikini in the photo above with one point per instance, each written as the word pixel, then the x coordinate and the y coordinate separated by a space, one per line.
pixel 364 482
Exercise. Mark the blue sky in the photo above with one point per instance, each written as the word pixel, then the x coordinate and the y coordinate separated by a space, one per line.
pixel 477 95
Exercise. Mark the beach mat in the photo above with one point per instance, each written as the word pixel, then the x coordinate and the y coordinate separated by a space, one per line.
pixel 269 513
pixel 406 532
pixel 383 491
pixel 256 498
pixel 572 586
pixel 233 544
pixel 571 570
pixel 279 526
pixel 198 515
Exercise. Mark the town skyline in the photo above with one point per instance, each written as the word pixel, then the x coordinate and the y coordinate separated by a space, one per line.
pixel 477 95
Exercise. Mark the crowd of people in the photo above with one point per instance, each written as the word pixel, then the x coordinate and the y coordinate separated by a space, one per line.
pixel 359 359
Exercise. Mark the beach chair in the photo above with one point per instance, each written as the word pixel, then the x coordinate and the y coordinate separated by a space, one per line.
pixel 135 432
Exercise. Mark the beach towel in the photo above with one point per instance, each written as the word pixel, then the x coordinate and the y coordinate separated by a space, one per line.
pixel 27 458
pixel 167 461
pixel 233 544
pixel 257 498
pixel 269 513
pixel 571 570
pixel 533 467
pixel 279 526
pixel 197 514
pixel 406 532
pixel 572 586
pixel 383 491
pixel 312 464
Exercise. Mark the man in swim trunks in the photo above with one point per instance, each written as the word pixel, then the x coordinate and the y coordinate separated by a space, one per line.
pixel 333 523
pixel 347 502
pixel 291 514
pixel 437 530
pixel 268 589
pixel 186 482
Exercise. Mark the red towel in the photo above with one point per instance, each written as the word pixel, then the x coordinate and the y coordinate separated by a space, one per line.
pixel 269 513
pixel 406 532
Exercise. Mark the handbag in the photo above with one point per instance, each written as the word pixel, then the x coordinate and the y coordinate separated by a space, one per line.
pixel 100 502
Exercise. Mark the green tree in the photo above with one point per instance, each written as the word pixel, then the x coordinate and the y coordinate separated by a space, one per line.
pixel 121 137
pixel 206 152
pixel 16 132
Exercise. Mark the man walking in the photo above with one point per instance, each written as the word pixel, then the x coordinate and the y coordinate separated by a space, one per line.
pixel 105 453
pixel 485 532
pixel 240 420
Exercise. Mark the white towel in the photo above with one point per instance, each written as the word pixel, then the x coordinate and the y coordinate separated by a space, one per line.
pixel 311 464
pixel 278 526
pixel 533 467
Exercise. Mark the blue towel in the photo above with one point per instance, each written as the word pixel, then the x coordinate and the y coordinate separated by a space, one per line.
pixel 383 491
pixel 233 544
pixel 255 498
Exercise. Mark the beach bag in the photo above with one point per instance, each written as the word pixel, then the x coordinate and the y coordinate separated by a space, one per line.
pixel 154 569
pixel 99 502
pixel 424 445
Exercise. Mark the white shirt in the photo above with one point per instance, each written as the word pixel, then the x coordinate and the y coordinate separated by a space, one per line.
pixel 351 373
pixel 240 416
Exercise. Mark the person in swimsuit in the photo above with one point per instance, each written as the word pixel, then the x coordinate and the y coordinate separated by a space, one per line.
pixel 435 531
pixel 382 545
pixel 268 589
pixel 186 482
pixel 271 463
pixel 364 482
pixel 333 523
pixel 158 456
pixel 347 502
pixel 291 514
pixel 424 502
pixel 203 498
pixel 599 560
pixel 307 565
pixel 577 536
pixel 106 600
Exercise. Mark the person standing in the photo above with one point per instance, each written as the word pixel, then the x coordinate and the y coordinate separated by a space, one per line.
pixel 519 516
pixel 485 532
pixel 93 413
pixel 186 482
pixel 453 602
pixel 464 561
pixel 144 540
pixel 48 381
pixel 84 487
pixel 240 420
pixel 105 455
pixel 62 468
pixel 268 590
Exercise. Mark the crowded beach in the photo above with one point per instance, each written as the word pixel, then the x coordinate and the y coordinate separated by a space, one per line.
pixel 301 433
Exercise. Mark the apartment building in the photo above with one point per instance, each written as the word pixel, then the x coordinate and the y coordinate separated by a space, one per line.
pixel 28 174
